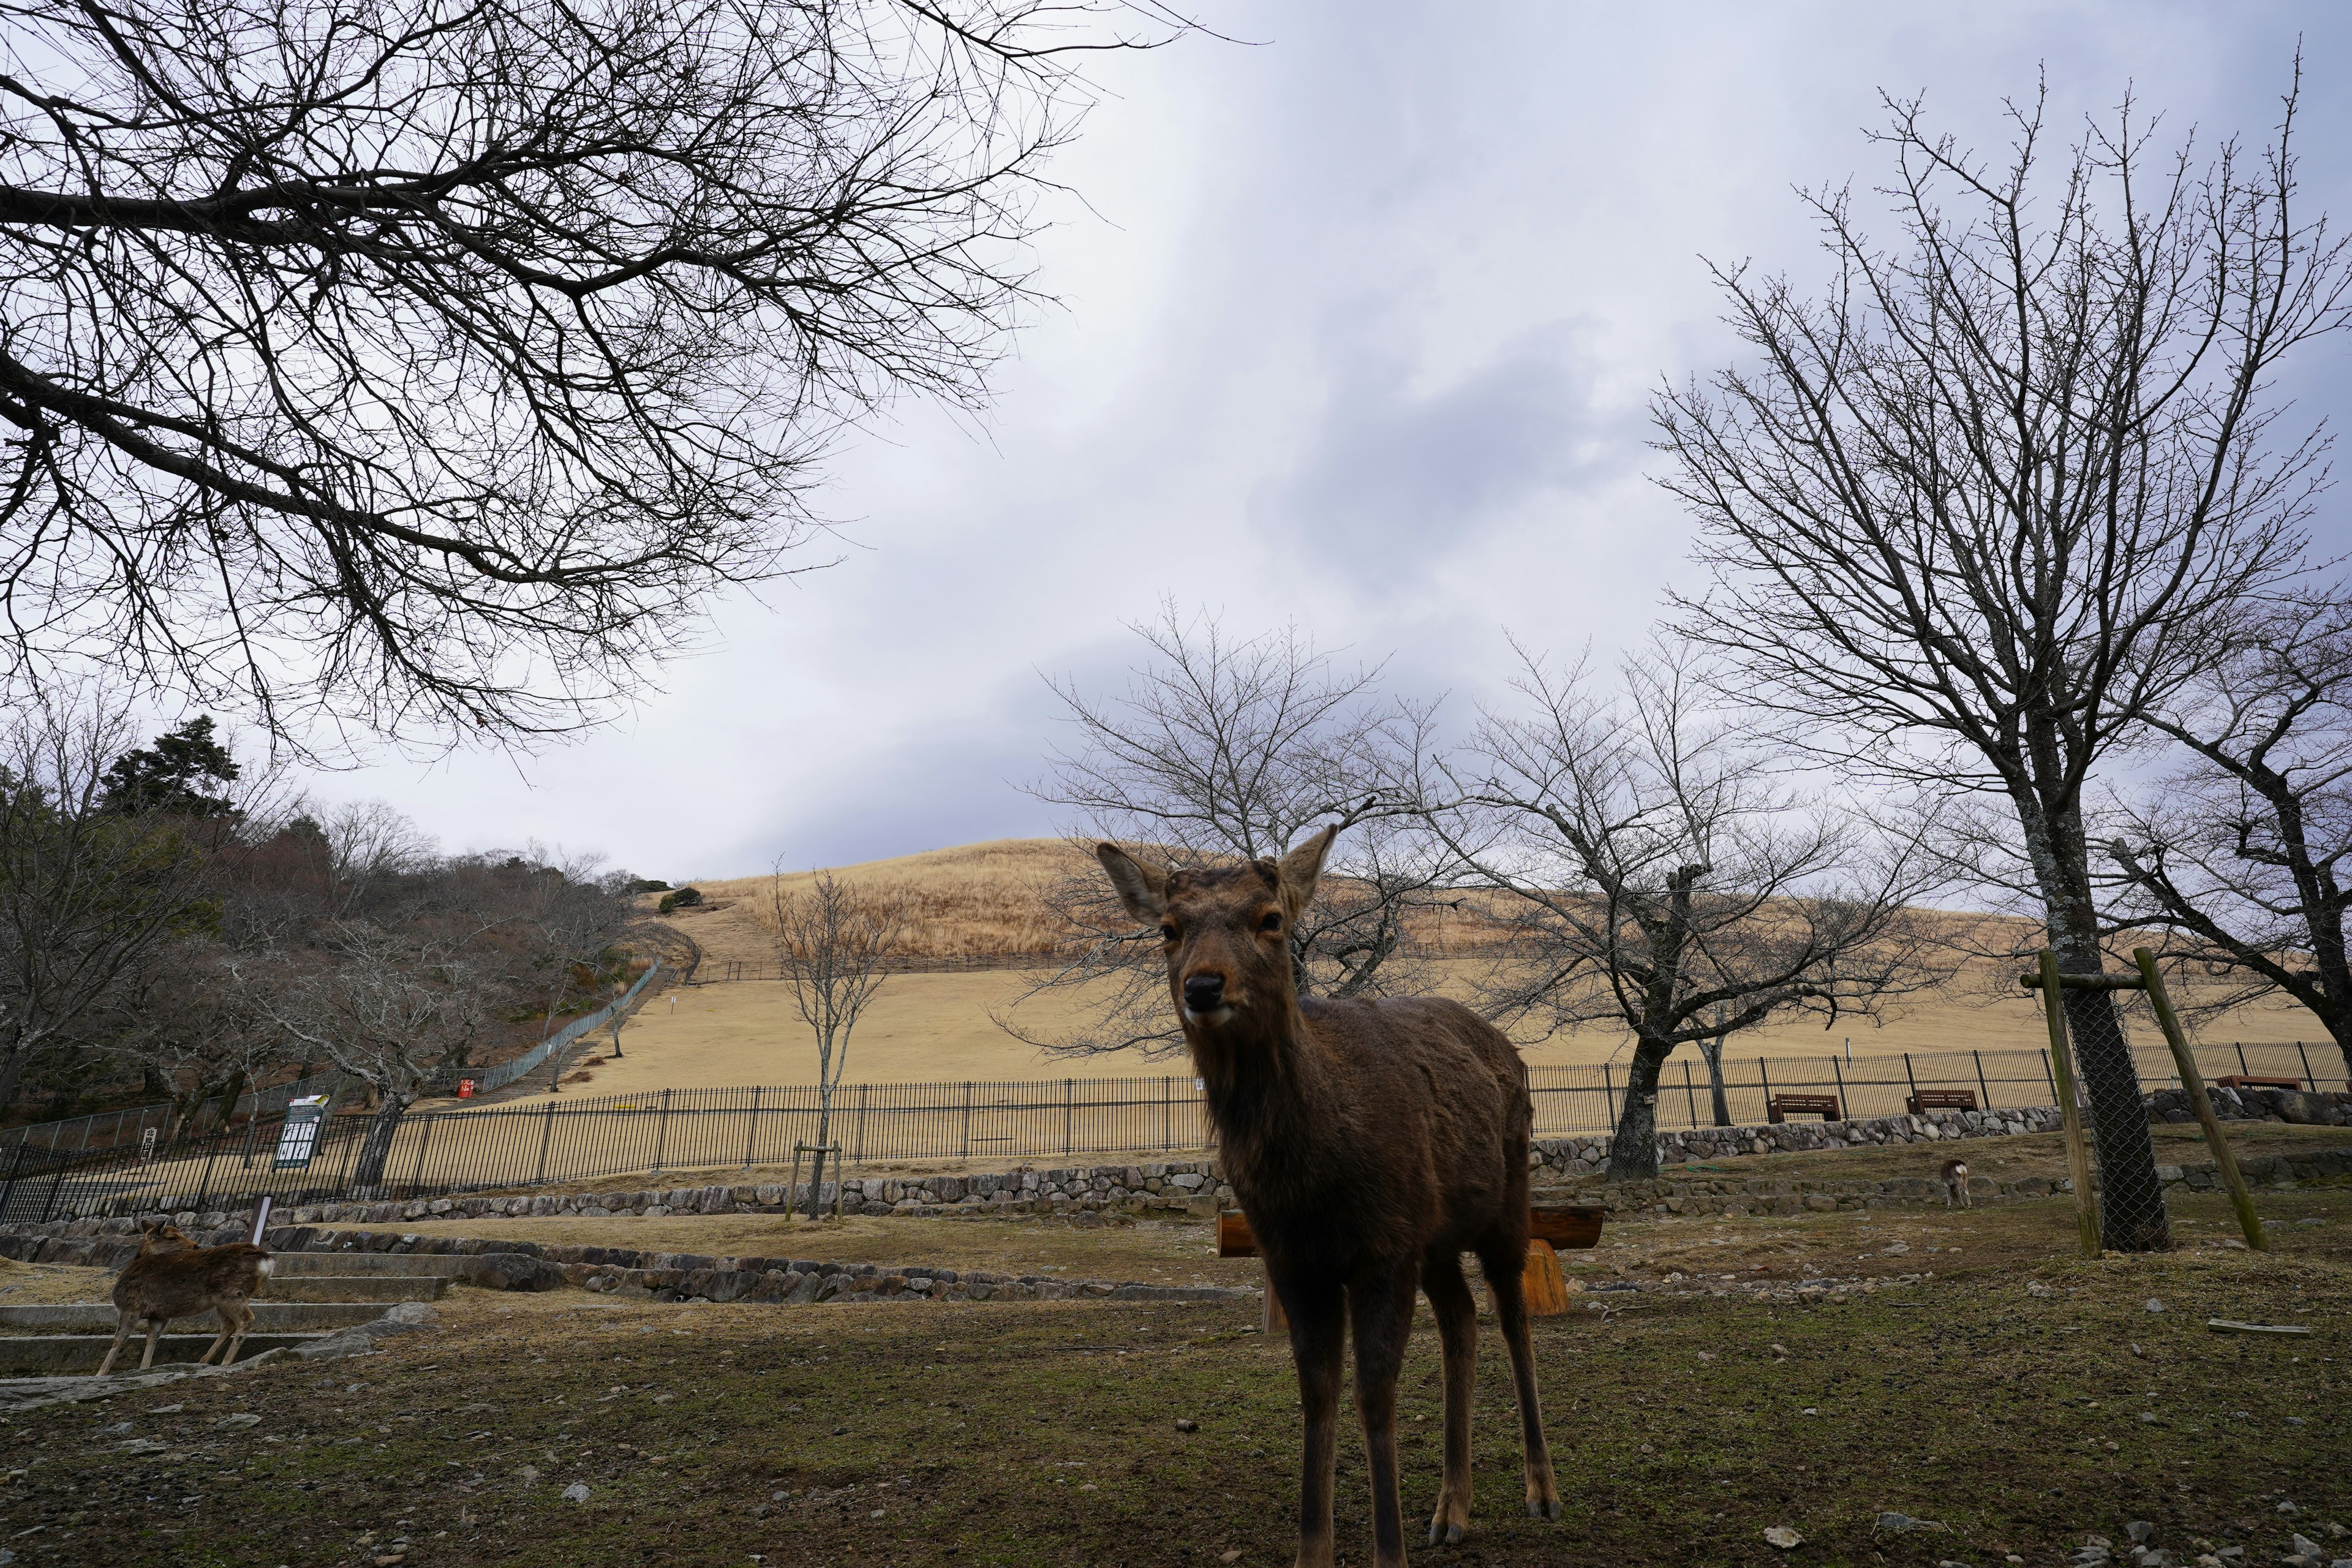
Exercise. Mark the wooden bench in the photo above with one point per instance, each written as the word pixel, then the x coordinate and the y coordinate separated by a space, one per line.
pixel 1550 1228
pixel 1783 1106
pixel 2249 1080
pixel 1927 1100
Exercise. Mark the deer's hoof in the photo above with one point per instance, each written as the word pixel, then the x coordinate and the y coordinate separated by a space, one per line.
pixel 1443 1535
pixel 1543 1507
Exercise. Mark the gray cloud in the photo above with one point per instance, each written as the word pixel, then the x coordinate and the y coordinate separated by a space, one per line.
pixel 1356 327
pixel 1397 471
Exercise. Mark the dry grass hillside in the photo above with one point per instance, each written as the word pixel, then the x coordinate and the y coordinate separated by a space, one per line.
pixel 974 901
pixel 988 899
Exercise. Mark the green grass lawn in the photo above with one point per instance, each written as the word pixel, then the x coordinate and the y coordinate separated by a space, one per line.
pixel 1684 1422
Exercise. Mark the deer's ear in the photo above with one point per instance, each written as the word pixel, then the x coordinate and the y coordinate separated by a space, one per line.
pixel 1143 890
pixel 1302 867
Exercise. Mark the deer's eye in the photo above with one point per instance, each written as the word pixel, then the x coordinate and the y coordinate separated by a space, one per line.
pixel 1168 931
pixel 1271 923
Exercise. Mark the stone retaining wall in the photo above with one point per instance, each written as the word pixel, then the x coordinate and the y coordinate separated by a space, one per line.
pixel 1571 1157
pixel 1194 1187
pixel 625 1272
pixel 1676 1193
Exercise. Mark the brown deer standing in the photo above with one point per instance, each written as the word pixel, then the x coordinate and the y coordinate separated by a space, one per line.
pixel 173 1278
pixel 1371 1143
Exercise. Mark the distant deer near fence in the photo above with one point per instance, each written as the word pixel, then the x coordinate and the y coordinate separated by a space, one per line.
pixel 1372 1143
pixel 173 1278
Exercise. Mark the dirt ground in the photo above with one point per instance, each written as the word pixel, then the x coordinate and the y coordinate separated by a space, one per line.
pixel 1686 1417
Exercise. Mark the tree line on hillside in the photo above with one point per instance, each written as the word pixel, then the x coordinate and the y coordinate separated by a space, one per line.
pixel 167 933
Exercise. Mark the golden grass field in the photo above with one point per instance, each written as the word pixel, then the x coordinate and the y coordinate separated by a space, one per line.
pixel 987 897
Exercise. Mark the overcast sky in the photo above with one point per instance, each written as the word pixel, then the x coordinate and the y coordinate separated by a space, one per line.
pixel 1356 327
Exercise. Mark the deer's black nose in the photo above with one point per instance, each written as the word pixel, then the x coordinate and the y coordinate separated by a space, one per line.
pixel 1204 993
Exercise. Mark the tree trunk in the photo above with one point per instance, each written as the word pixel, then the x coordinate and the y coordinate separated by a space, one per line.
pixel 823 1136
pixel 1713 1051
pixel 230 1091
pixel 2131 1197
pixel 1633 1151
pixel 376 1148
pixel 12 1077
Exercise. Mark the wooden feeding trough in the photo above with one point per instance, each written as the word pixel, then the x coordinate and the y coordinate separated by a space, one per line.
pixel 1550 1226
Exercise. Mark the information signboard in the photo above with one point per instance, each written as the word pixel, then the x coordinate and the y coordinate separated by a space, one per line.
pixel 298 1140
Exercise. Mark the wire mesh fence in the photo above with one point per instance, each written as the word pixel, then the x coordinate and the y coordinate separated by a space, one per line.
pixel 496 1147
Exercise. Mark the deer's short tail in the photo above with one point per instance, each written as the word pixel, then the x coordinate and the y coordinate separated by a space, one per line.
pixel 266 1267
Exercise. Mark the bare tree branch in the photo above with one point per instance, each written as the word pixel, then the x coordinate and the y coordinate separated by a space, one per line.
pixel 424 369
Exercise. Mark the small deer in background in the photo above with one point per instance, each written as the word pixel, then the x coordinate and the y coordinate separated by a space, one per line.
pixel 1955 1177
pixel 1372 1143
pixel 173 1278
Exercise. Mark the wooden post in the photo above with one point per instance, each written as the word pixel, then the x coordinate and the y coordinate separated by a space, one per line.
pixel 2062 1064
pixel 1542 1284
pixel 2194 1082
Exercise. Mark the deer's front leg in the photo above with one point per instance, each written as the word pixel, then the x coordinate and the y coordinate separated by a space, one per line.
pixel 1380 1306
pixel 1318 1341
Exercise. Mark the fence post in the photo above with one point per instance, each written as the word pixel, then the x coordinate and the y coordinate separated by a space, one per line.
pixel 661 1134
pixel 2052 1076
pixel 1764 1076
pixel 1911 1078
pixel 9 1191
pixel 1167 1116
pixel 967 1119
pixel 2242 1068
pixel 864 1092
pixel 1690 1093
pixel 1982 1088
pixel 1609 1096
pixel 752 1136
pixel 1069 1118
pixel 1845 1102
pixel 546 1133
pixel 423 1139
pixel 2307 1066
pixel 50 1202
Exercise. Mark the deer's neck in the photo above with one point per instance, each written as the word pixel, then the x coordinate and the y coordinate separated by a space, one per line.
pixel 1269 1091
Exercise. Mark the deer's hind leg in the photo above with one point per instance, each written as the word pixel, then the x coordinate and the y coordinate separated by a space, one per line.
pixel 236 1315
pixel 1504 1269
pixel 154 1328
pixel 121 1332
pixel 1457 1332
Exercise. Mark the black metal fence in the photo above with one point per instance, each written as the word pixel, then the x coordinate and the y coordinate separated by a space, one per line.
pixel 495 1147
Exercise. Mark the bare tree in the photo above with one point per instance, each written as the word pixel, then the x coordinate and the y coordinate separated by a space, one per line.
pixel 833 942
pixel 1224 748
pixel 86 893
pixel 183 1019
pixel 424 367
pixel 1973 513
pixel 386 1001
pixel 1657 880
pixel 2238 855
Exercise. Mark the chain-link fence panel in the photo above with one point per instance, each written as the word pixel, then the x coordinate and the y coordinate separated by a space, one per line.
pixel 2132 1216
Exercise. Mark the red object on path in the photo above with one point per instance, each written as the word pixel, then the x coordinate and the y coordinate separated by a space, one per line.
pixel 465 1088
